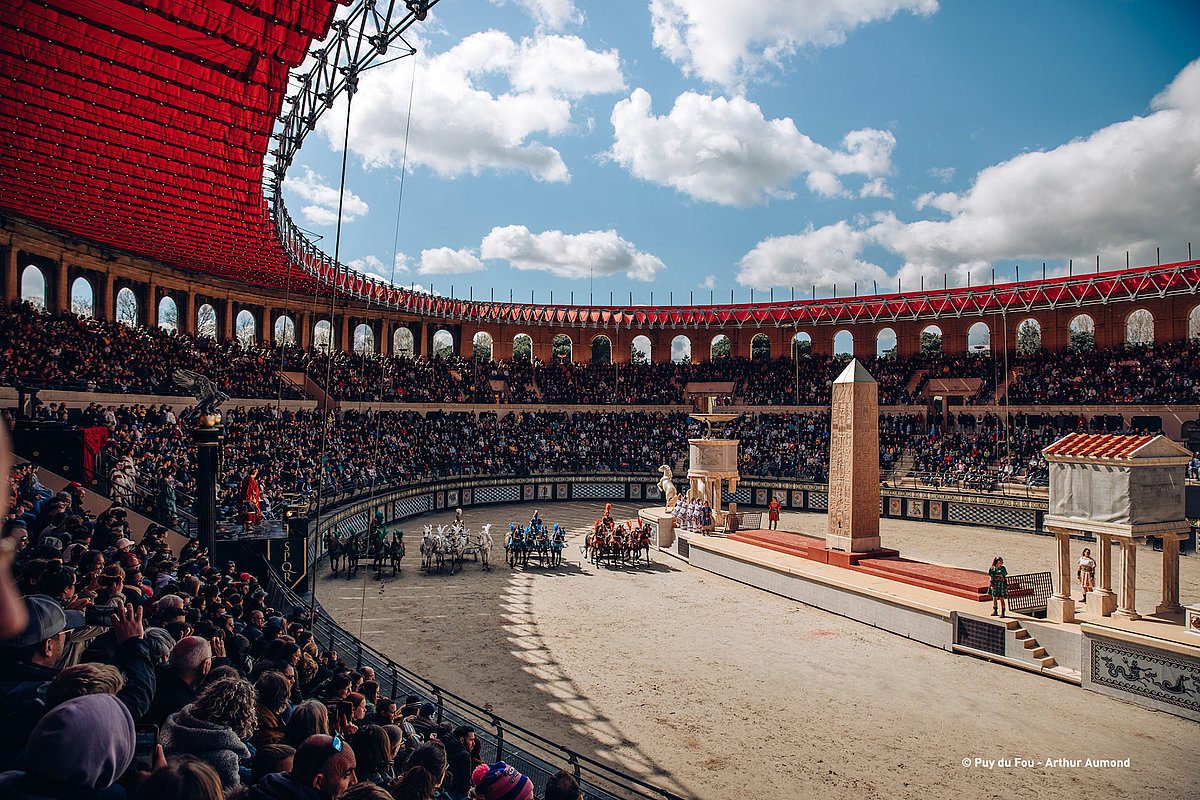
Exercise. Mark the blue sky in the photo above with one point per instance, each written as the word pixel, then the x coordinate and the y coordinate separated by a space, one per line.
pixel 683 147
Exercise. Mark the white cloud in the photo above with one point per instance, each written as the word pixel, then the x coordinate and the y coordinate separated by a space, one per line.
pixel 322 207
pixel 944 174
pixel 725 151
pixel 876 187
pixel 1129 186
pixel 728 43
pixel 820 257
pixel 550 14
pixel 461 122
pixel 448 261
pixel 709 282
pixel 570 255
pixel 373 266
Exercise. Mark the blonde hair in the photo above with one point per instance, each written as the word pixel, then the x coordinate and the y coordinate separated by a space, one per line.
pixel 84 679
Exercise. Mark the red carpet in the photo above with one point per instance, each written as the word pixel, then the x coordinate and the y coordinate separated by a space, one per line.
pixel 964 583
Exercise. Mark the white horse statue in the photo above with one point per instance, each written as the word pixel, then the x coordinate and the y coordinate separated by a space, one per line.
pixel 667 486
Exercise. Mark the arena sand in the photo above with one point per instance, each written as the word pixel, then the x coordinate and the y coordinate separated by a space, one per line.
pixel 715 690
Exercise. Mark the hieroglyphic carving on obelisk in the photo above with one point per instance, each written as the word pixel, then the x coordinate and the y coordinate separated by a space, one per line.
pixel 854 463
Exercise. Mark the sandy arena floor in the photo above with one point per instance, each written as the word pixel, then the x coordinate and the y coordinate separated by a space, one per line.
pixel 717 690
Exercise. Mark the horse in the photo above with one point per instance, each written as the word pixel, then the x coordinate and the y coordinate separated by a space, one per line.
pixel 516 546
pixel 334 548
pixel 483 545
pixel 351 546
pixel 557 543
pixel 377 550
pixel 395 551
pixel 428 549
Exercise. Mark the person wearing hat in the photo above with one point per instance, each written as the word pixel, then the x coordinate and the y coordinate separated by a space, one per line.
pixel 77 750
pixel 499 781
pixel 29 661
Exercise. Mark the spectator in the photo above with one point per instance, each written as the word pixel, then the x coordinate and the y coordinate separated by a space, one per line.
pixel 310 718
pixel 271 690
pixel 500 782
pixel 423 774
pixel 458 742
pixel 373 751
pixel 423 723
pixel 269 759
pixel 178 681
pixel 562 786
pixel 323 768
pixel 184 778
pixel 77 750
pixel 212 728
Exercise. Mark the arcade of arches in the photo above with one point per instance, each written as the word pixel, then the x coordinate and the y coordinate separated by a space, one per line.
pixel 63 276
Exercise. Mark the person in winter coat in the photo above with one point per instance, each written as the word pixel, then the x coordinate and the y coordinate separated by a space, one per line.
pixel 213 728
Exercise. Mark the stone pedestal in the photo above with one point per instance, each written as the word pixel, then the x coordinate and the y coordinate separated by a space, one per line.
pixel 854 463
pixel 665 523
pixel 1100 604
pixel 1060 609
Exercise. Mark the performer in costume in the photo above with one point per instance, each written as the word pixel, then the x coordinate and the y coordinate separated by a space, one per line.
pixel 706 518
pixel 1087 572
pixel 606 521
pixel 999 584
pixel 250 496
pixel 773 514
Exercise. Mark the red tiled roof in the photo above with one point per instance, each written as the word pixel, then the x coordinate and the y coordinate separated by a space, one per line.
pixel 1097 445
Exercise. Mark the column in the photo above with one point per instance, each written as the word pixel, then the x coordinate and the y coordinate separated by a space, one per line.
pixel 1126 601
pixel 1170 582
pixel 1060 607
pixel 187 313
pixel 62 291
pixel 12 276
pixel 266 332
pixel 227 323
pixel 103 309
pixel 343 341
pixel 1102 602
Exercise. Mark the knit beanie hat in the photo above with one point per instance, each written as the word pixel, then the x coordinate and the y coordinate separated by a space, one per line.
pixel 501 782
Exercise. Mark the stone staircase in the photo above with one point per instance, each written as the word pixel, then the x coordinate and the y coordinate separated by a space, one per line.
pixel 1013 374
pixel 1023 650
pixel 916 381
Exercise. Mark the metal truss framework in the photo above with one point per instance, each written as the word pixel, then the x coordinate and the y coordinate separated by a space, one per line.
pixel 364 36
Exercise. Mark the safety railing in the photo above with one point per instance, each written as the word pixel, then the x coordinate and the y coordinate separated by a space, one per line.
pixel 537 757
pixel 1029 594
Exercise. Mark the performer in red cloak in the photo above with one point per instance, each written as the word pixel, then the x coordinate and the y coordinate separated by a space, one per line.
pixel 250 497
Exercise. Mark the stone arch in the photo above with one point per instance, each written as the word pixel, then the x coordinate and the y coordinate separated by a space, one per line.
pixel 168 314
pixel 206 321
pixel 1081 332
pixel 1139 328
pixel 639 350
pixel 931 340
pixel 801 345
pixel 481 345
pixel 720 347
pixel 245 328
pixel 33 286
pixel 1029 336
pixel 403 343
pixel 681 349
pixel 1193 329
pixel 601 350
pixel 127 307
pixel 323 335
pixel 979 338
pixel 885 343
pixel 285 330
pixel 562 348
pixel 843 343
pixel 760 347
pixel 443 343
pixel 83 298
pixel 523 348
pixel 364 339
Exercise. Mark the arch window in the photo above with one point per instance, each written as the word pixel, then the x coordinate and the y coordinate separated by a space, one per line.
pixel 206 321
pixel 885 343
pixel 33 287
pixel 639 350
pixel 720 347
pixel 760 347
pixel 801 345
pixel 931 340
pixel 403 343
pixel 481 346
pixel 83 299
pixel 523 348
pixel 601 350
pixel 1081 332
pixel 127 307
pixel 443 344
pixel 364 339
pixel 245 329
pixel 681 350
pixel 1029 336
pixel 1139 329
pixel 843 344
pixel 561 348
pixel 979 338
pixel 285 330
pixel 323 335
pixel 168 314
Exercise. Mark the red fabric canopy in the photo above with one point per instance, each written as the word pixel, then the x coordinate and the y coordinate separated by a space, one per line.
pixel 144 125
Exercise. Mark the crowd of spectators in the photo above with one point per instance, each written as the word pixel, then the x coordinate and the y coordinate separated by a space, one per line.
pixel 157 674
pixel 64 351
pixel 1164 373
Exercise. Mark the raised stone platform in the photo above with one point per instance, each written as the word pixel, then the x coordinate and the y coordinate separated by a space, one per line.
pixel 967 584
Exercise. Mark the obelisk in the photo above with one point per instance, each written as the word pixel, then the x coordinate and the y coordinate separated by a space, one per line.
pixel 854 463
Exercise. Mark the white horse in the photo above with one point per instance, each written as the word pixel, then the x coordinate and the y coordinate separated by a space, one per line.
pixel 428 548
pixel 483 545
pixel 667 486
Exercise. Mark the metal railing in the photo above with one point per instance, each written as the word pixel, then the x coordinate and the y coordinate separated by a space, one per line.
pixel 536 756
pixel 1028 594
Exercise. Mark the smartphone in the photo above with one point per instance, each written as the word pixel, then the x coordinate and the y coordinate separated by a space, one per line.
pixel 100 616
pixel 146 740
